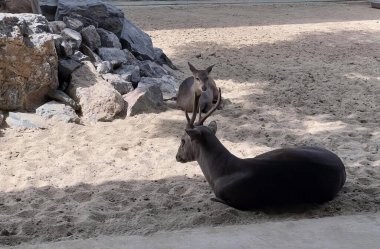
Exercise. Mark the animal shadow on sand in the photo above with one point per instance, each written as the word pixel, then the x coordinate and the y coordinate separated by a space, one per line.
pixel 141 207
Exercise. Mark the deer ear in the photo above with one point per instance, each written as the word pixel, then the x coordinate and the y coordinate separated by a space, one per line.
pixel 209 68
pixel 192 68
pixel 193 133
pixel 213 126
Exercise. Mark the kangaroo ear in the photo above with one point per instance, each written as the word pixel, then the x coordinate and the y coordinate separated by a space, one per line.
pixel 213 126
pixel 209 68
pixel 192 68
pixel 193 133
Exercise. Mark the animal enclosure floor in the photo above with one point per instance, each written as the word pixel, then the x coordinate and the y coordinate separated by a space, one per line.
pixel 348 232
pixel 295 74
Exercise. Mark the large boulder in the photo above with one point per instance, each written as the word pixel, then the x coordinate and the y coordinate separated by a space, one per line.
pixel 167 84
pixel 62 97
pixel 151 69
pixel 120 82
pixel 105 15
pixel 73 23
pixel 57 26
pixel 90 37
pixel 112 54
pixel 25 121
pixel 65 68
pixel 57 111
pixel 146 98
pixel 94 58
pixel 73 37
pixel 28 61
pixel 78 56
pixel 137 41
pixel 48 8
pixel 104 67
pixel 108 39
pixel 130 72
pixel 99 101
pixel 161 58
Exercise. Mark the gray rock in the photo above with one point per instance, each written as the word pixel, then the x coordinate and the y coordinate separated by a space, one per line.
pixel 28 63
pixel 58 39
pixel 136 41
pixel 94 58
pixel 25 120
pixel 168 84
pixel 90 37
pixel 73 37
pixel 161 58
pixel 116 64
pixel 99 101
pixel 130 72
pixel 2 116
pixel 119 82
pixel 144 99
pixel 151 69
pixel 57 26
pixel 112 54
pixel 65 68
pixel 66 49
pixel 48 8
pixel 49 2
pixel 73 23
pixel 62 97
pixel 104 67
pixel 131 59
pixel 86 21
pixel 106 15
pixel 58 111
pixel 78 56
pixel 108 39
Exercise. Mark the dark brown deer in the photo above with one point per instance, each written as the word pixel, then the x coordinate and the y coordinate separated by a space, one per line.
pixel 201 83
pixel 276 178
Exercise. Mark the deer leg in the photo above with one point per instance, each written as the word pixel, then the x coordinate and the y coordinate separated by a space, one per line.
pixel 200 113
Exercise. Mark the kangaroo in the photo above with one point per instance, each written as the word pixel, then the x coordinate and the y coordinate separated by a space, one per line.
pixel 21 6
pixel 201 83
pixel 276 178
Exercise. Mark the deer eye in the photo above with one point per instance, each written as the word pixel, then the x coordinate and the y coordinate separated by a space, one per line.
pixel 182 141
pixel 197 78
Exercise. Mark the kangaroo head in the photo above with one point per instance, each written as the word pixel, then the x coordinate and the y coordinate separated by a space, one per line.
pixel 201 77
pixel 189 147
pixel 194 134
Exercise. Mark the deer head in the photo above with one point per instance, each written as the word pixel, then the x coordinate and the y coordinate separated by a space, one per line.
pixel 200 78
pixel 188 150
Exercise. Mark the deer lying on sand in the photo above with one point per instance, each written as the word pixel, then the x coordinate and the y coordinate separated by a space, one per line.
pixel 20 6
pixel 276 178
pixel 201 83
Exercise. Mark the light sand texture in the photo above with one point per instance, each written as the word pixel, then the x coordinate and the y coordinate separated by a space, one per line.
pixel 305 74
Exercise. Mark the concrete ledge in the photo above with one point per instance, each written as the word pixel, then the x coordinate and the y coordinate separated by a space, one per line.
pixel 200 2
pixel 359 231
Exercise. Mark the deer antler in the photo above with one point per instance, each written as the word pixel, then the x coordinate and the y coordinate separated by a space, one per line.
pixel 208 114
pixel 190 122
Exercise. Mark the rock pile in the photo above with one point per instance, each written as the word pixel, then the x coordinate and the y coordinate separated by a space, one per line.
pixel 89 58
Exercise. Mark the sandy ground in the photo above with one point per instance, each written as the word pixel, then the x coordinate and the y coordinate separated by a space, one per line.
pixel 305 74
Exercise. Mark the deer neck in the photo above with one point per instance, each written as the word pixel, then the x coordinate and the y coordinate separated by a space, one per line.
pixel 215 160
